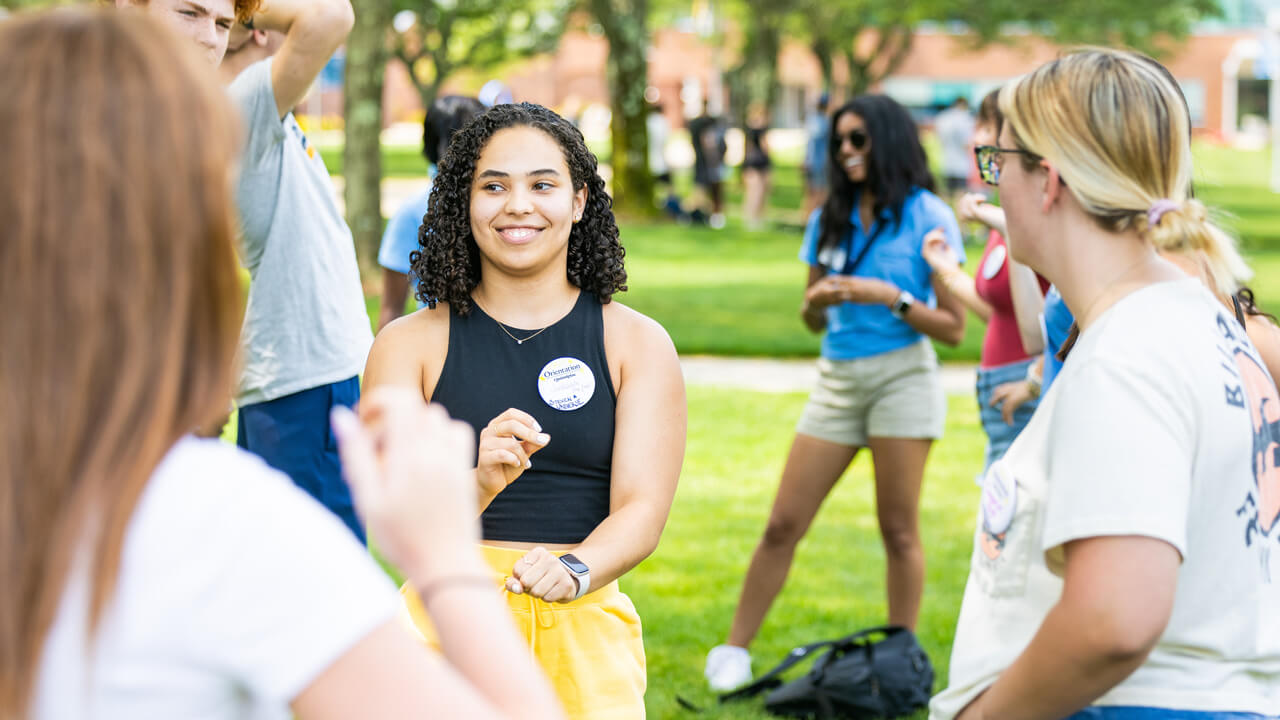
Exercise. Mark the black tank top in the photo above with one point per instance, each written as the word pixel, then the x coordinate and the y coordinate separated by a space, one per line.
pixel 565 495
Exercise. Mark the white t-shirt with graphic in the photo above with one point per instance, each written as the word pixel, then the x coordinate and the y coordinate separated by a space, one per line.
pixel 235 591
pixel 1164 424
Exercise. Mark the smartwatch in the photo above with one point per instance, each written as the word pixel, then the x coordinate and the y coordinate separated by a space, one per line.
pixel 902 304
pixel 579 571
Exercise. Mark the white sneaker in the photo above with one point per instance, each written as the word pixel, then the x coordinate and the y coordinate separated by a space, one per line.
pixel 728 667
pixel 717 221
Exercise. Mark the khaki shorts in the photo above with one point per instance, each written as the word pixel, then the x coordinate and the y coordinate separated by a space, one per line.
pixel 897 394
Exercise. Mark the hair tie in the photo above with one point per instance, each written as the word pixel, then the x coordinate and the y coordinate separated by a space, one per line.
pixel 1158 209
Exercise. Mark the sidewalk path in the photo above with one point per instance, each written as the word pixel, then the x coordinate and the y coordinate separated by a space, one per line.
pixel 774 375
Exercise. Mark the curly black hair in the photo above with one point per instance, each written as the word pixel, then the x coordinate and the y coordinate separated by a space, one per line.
pixel 447 263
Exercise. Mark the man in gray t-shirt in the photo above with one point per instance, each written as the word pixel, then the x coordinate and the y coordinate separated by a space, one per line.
pixel 306 334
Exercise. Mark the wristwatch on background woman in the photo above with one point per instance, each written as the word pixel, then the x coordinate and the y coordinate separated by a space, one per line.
pixel 1035 378
pixel 902 304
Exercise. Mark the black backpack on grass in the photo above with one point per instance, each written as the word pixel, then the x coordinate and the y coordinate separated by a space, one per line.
pixel 880 672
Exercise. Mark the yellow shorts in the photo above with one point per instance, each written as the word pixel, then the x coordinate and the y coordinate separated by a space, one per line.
pixel 591 648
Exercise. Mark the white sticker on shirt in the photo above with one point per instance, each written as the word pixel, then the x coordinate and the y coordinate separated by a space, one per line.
pixel 566 383
pixel 994 262
pixel 999 499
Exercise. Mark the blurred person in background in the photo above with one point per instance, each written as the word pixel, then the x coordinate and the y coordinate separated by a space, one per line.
pixel 707 133
pixel 1004 294
pixel 954 128
pixel 447 115
pixel 757 167
pixel 659 131
pixel 814 167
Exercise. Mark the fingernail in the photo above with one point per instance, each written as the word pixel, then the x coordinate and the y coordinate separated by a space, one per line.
pixel 536 426
pixel 528 464
pixel 542 438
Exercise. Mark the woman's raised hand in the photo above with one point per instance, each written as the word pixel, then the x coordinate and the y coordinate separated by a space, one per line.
pixel 506 445
pixel 409 468
pixel 938 253
pixel 967 207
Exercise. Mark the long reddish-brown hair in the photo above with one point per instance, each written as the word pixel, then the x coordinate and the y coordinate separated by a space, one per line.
pixel 120 293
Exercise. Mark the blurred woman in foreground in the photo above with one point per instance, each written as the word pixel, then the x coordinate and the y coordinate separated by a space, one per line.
pixel 149 574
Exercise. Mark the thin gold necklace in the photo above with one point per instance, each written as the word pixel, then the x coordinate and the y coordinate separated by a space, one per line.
pixel 519 341
pixel 503 328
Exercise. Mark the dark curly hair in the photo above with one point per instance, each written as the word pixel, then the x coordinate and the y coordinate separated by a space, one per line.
pixel 447 262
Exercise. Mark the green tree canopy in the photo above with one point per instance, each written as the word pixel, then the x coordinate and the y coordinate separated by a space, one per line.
pixel 451 35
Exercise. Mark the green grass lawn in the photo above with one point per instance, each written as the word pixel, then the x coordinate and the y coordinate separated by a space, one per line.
pixel 687 590
pixel 735 292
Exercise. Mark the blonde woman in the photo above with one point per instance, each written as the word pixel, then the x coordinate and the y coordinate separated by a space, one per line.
pixel 1125 561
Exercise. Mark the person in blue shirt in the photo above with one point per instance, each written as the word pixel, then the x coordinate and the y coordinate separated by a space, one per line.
pixel 873 292
pixel 446 116
pixel 814 167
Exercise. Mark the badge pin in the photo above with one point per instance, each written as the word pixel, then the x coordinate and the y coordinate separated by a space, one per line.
pixel 994 262
pixel 999 499
pixel 566 383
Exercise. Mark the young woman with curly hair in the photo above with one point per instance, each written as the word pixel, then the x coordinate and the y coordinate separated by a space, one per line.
pixel 578 400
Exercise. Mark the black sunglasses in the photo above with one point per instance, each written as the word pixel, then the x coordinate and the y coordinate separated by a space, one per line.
pixel 989 161
pixel 858 138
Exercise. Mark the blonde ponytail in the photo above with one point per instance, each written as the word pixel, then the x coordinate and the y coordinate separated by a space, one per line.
pixel 1115 125
pixel 1185 229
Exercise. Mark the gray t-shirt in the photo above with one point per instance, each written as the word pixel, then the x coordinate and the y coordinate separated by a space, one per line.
pixel 955 129
pixel 305 324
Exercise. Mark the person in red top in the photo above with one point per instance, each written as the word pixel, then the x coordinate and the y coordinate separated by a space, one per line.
pixel 1009 298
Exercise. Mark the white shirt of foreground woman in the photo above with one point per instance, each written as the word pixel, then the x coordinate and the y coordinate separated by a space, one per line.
pixel 1164 424
pixel 236 590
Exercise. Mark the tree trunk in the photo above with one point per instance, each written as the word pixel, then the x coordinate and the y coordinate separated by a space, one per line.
pixel 362 109
pixel 625 25
pixel 822 53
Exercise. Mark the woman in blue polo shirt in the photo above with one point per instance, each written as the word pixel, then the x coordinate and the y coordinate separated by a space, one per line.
pixel 872 291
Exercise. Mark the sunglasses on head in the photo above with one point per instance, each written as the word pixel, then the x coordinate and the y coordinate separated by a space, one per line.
pixel 857 138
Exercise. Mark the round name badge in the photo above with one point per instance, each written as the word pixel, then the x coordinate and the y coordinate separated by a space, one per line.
pixel 566 383
pixel 999 500
pixel 994 262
